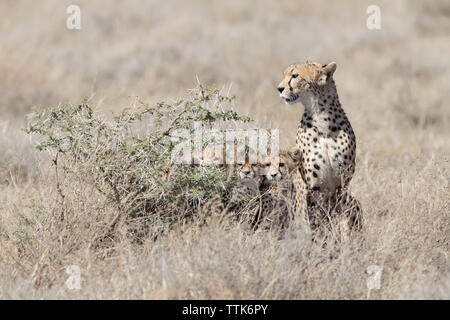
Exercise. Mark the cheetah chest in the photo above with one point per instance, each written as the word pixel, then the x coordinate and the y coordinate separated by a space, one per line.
pixel 329 167
pixel 324 161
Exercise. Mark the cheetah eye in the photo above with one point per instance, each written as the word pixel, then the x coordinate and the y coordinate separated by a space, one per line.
pixel 281 165
pixel 294 76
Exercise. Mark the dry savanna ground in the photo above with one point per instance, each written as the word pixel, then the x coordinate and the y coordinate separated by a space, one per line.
pixel 393 84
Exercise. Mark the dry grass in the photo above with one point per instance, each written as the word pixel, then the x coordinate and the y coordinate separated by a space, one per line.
pixel 392 84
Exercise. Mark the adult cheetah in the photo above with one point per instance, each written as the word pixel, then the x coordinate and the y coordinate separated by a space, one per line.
pixel 325 140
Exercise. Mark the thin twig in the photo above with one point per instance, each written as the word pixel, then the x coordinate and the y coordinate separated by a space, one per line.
pixel 58 186
pixel 171 125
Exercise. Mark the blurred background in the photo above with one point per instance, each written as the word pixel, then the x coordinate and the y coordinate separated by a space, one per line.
pixel 392 82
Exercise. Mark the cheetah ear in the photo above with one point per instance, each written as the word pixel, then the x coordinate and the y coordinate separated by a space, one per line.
pixel 327 73
pixel 295 154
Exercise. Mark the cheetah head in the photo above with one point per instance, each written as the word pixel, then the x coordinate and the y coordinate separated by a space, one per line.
pixel 247 171
pixel 301 80
pixel 277 168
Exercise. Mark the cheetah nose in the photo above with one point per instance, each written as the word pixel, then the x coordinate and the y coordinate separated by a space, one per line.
pixel 274 175
pixel 280 89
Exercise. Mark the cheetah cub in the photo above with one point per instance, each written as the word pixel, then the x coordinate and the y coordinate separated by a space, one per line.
pixel 245 198
pixel 277 191
pixel 275 169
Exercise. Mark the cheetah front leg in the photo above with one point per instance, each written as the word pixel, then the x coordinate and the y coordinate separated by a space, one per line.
pixel 301 200
pixel 349 213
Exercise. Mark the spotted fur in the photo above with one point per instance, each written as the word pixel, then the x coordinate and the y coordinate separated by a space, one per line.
pixel 277 191
pixel 325 142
